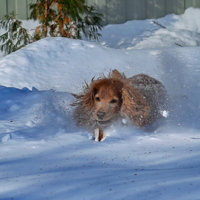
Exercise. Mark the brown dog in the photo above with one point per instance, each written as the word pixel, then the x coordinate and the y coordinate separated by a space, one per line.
pixel 140 99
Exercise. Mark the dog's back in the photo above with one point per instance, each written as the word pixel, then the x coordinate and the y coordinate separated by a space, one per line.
pixel 153 91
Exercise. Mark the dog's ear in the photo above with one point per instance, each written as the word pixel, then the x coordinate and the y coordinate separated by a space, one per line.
pixel 117 75
pixel 88 98
pixel 134 106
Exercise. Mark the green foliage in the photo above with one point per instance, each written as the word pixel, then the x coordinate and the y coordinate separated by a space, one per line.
pixel 15 36
pixel 58 18
pixel 91 23
pixel 65 18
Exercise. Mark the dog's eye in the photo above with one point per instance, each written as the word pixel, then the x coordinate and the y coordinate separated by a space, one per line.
pixel 113 101
pixel 97 99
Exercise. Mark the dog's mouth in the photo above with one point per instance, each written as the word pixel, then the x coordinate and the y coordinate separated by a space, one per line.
pixel 104 122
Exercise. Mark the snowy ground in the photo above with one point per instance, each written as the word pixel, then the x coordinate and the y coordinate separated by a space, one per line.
pixel 44 156
pixel 169 31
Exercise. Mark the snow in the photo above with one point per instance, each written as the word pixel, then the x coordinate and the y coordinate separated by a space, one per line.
pixel 43 155
pixel 181 30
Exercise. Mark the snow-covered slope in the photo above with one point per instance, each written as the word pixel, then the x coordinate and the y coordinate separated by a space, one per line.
pixel 171 30
pixel 64 64
pixel 43 155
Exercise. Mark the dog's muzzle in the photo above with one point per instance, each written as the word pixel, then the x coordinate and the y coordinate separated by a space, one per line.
pixel 101 114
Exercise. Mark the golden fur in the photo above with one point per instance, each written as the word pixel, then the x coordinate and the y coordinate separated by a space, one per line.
pixel 138 99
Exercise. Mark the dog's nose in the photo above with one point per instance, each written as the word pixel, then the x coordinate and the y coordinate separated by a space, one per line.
pixel 101 114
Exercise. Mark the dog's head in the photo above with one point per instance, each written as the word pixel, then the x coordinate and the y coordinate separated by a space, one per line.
pixel 107 98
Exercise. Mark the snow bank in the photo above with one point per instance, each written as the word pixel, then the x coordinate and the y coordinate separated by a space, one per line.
pixel 64 64
pixel 181 30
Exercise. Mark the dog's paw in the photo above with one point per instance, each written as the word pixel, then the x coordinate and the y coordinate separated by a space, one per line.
pixel 99 136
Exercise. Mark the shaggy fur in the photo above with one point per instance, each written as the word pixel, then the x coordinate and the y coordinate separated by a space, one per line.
pixel 139 99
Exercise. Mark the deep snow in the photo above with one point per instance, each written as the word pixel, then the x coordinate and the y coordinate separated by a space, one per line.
pixel 44 156
pixel 180 30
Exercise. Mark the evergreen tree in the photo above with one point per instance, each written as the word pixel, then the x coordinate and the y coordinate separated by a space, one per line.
pixel 15 36
pixel 65 18
pixel 58 18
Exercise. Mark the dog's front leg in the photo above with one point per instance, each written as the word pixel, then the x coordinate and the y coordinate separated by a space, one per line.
pixel 99 135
